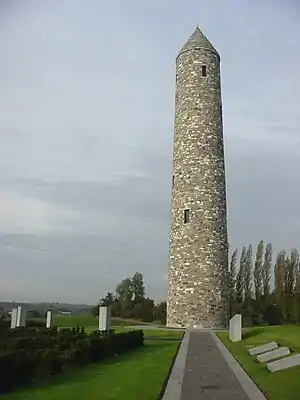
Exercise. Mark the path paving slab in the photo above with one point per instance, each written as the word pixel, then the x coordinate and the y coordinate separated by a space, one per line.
pixel 207 375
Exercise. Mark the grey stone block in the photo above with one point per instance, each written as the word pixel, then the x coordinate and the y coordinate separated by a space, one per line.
pixel 235 328
pixel 271 355
pixel 14 314
pixel 21 316
pixel 104 318
pixel 284 363
pixel 49 319
pixel 263 348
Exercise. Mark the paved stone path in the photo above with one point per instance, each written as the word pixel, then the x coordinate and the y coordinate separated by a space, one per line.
pixel 207 375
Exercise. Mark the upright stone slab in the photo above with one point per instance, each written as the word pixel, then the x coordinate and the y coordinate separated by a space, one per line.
pixel 104 318
pixel 19 310
pixel 271 355
pixel 263 348
pixel 21 316
pixel 235 328
pixel 49 319
pixel 284 363
pixel 13 322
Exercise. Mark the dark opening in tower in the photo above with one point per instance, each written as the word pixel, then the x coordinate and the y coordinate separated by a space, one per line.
pixel 186 216
pixel 204 70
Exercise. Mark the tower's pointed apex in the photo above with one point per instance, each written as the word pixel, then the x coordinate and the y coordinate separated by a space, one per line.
pixel 198 41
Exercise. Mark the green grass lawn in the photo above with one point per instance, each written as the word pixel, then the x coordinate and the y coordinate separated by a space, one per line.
pixel 137 375
pixel 281 385
pixel 86 320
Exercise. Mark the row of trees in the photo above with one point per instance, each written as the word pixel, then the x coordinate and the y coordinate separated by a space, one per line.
pixel 130 301
pixel 261 291
pixel 253 291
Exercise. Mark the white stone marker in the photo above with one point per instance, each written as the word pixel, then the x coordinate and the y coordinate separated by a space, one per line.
pixel 49 319
pixel 21 316
pixel 284 363
pixel 271 355
pixel 104 318
pixel 13 322
pixel 235 328
pixel 263 348
pixel 19 310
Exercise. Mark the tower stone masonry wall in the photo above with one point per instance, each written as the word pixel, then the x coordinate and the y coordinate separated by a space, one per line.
pixel 198 255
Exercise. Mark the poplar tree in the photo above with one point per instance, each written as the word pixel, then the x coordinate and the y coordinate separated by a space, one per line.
pixel 296 295
pixel 286 272
pixel 291 272
pixel 240 277
pixel 232 279
pixel 290 298
pixel 266 270
pixel 258 270
pixel 279 273
pixel 297 279
pixel 248 273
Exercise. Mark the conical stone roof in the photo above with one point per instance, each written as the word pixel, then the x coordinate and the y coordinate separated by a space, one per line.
pixel 198 41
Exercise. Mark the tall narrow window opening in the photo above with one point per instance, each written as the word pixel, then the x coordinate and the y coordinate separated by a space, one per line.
pixel 204 70
pixel 173 178
pixel 186 216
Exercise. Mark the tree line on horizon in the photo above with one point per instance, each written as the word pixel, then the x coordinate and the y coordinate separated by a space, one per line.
pixel 130 301
pixel 251 293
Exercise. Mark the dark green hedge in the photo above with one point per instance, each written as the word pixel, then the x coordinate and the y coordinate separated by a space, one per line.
pixel 29 355
pixel 36 323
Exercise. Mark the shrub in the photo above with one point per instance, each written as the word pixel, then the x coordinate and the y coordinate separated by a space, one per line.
pixel 34 354
pixel 15 370
pixel 56 363
pixel 273 315
pixel 4 326
pixel 35 323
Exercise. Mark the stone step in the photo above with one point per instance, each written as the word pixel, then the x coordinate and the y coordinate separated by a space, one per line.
pixel 262 348
pixel 284 363
pixel 271 355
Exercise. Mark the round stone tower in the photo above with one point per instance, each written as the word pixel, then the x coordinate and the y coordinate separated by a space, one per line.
pixel 198 256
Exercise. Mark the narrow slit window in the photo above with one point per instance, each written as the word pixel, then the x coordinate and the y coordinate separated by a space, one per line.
pixel 186 216
pixel 173 178
pixel 204 70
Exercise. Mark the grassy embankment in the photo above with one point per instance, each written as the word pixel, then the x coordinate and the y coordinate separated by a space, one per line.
pixel 281 385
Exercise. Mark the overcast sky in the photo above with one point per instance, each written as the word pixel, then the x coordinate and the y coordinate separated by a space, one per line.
pixel 86 119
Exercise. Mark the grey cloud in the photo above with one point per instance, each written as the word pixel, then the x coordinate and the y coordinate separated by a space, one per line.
pixel 81 267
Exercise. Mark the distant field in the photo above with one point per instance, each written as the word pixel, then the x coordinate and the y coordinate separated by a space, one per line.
pixel 86 320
